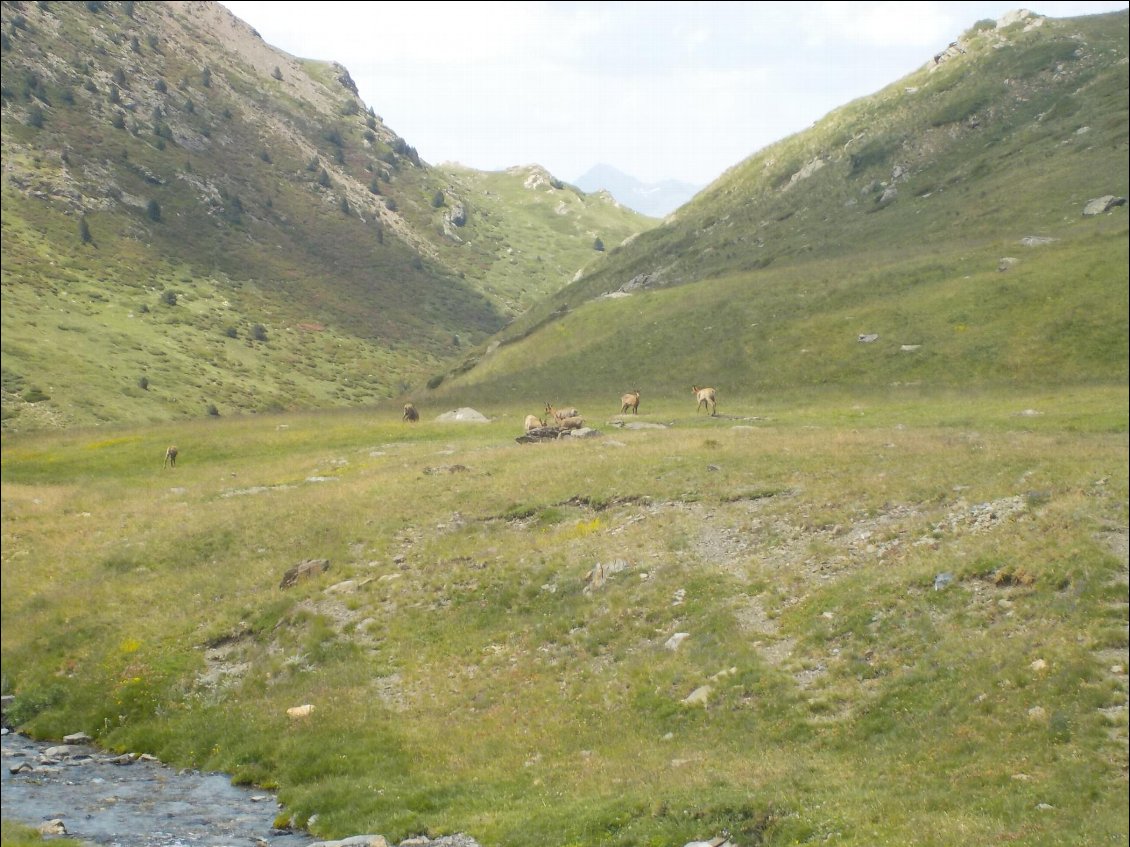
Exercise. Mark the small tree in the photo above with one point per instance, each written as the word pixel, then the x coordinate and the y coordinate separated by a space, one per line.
pixel 437 199
pixel 84 230
pixel 276 73
pixel 598 245
pixel 259 332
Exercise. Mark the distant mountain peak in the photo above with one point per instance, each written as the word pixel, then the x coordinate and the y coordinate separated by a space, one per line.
pixel 654 199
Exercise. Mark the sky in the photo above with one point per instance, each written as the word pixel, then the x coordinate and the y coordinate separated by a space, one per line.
pixel 658 90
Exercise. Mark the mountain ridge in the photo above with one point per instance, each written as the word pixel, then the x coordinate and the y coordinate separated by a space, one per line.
pixel 656 199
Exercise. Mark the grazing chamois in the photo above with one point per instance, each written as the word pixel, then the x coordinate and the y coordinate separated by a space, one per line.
pixel 631 401
pixel 707 398
pixel 170 458
pixel 533 422
pixel 410 413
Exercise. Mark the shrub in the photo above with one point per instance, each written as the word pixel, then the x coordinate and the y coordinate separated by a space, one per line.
pixel 169 297
pixel 437 199
pixel 143 383
pixel 153 210
pixel 276 73
pixel 598 245
pixel 84 230
pixel 212 410
pixel 259 332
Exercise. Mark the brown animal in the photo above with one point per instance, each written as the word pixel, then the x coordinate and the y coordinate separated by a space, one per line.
pixel 170 458
pixel 410 413
pixel 631 400
pixel 533 422
pixel 560 414
pixel 707 398
pixel 572 422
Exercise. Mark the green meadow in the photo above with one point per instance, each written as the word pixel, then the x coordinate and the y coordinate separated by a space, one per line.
pixel 837 617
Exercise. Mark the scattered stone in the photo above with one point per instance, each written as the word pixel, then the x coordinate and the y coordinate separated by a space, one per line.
pixel 942 580
pixel 1035 240
pixel 303 711
pixel 699 697
pixel 77 738
pixel 868 338
pixel 675 640
pixel 304 570
pixel 462 415
pixel 1102 204
pixel 1007 263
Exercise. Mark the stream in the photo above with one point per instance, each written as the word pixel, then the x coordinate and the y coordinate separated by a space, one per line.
pixel 111 800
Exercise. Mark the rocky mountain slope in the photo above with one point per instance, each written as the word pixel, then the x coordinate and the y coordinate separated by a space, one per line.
pixel 965 226
pixel 197 222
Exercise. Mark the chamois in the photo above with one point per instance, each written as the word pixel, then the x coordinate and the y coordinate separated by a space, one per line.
pixel 410 413
pixel 707 398
pixel 560 414
pixel 533 422
pixel 170 458
pixel 631 400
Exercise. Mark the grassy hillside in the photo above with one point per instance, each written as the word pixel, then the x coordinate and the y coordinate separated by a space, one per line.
pixel 902 622
pixel 190 210
pixel 943 215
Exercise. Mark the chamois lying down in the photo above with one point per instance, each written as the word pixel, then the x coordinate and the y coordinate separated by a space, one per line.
pixel 630 401
pixel 560 414
pixel 533 422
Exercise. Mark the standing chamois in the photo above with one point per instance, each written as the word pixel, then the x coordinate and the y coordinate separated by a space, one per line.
pixel 170 458
pixel 630 401
pixel 707 399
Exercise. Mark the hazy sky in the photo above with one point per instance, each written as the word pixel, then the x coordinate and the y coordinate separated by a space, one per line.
pixel 658 90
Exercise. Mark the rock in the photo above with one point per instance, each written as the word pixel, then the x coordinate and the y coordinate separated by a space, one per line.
pixel 303 711
pixel 355 841
pixel 77 738
pixel 699 697
pixel 675 640
pixel 304 570
pixel 52 827
pixel 1102 204
pixel 1007 263
pixel 462 415
pixel 868 338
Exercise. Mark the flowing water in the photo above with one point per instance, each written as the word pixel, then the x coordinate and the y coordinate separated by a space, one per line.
pixel 140 804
